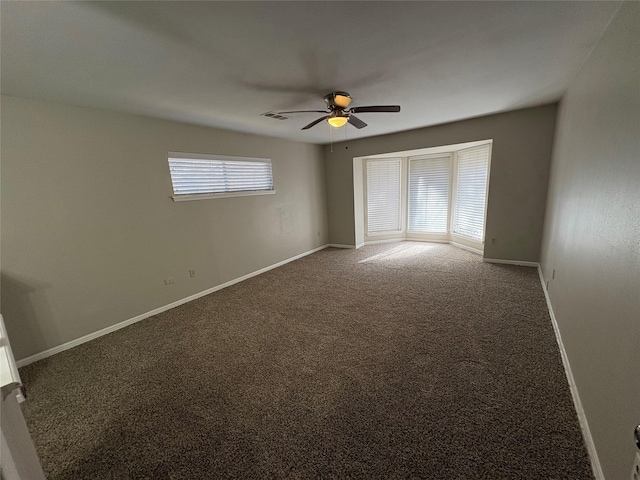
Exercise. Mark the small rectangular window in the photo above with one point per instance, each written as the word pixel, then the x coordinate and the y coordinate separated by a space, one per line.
pixel 197 176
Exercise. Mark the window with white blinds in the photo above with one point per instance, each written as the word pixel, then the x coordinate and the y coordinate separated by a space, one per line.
pixel 196 176
pixel 471 193
pixel 384 195
pixel 429 179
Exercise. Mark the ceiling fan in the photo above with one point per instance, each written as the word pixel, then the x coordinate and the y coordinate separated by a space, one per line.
pixel 338 112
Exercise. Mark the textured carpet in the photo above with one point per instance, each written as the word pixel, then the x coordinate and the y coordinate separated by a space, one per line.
pixel 403 360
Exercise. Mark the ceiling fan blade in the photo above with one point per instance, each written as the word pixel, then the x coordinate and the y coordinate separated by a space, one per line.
pixel 356 122
pixel 303 111
pixel 315 122
pixel 376 108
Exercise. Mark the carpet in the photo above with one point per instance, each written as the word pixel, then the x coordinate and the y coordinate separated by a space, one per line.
pixel 404 360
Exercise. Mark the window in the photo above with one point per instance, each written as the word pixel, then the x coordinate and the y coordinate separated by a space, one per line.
pixel 196 176
pixel 471 193
pixel 429 193
pixel 384 196
pixel 433 194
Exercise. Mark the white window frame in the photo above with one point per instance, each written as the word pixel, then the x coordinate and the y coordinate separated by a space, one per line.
pixel 219 158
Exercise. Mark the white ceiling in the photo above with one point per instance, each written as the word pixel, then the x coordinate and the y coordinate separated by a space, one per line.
pixel 222 64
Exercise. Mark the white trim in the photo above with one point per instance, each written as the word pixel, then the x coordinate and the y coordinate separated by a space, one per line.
pixel 360 245
pixel 466 247
pixel 582 418
pixel 521 263
pixel 8 368
pixel 177 303
pixel 209 156
pixel 207 196
pixel 339 245
pixel 451 148
pixel 425 240
pixel 388 240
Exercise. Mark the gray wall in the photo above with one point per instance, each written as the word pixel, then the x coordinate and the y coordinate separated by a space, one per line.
pixel 592 238
pixel 89 232
pixel 522 144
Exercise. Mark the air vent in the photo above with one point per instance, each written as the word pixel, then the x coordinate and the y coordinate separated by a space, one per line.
pixel 275 115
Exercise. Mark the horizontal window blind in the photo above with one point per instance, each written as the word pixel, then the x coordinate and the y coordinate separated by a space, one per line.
pixel 471 193
pixel 202 174
pixel 429 180
pixel 384 196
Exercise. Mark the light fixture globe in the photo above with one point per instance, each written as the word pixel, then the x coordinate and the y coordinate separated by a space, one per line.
pixel 337 120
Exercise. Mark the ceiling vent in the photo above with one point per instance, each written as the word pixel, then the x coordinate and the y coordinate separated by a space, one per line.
pixel 275 115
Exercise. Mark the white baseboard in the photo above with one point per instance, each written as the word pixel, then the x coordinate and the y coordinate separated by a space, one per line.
pixel 339 245
pixel 467 247
pixel 156 311
pixel 582 418
pixel 521 263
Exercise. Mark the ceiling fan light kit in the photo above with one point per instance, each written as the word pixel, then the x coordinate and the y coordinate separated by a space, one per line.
pixel 338 111
pixel 337 120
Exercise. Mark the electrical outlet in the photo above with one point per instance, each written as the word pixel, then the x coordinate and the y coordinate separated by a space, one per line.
pixel 635 473
pixel 494 241
pixel 169 281
pixel 192 273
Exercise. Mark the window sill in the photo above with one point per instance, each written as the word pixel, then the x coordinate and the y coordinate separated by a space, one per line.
pixel 207 196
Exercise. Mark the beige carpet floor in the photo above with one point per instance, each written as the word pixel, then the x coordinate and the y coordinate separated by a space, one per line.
pixel 406 360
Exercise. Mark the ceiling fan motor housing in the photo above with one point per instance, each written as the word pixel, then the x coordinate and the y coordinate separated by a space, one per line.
pixel 337 100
